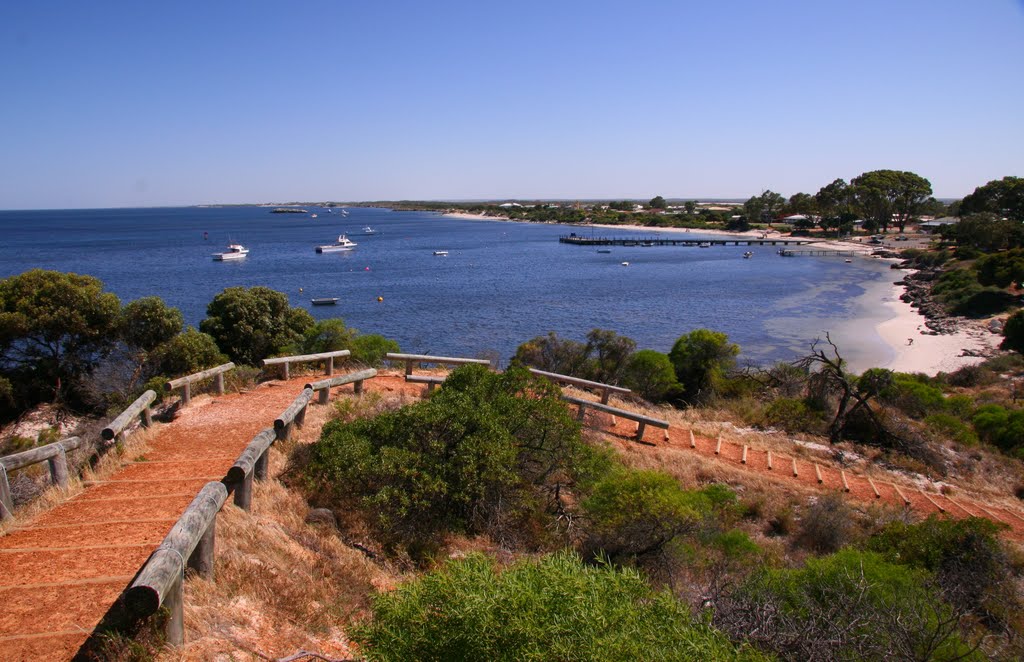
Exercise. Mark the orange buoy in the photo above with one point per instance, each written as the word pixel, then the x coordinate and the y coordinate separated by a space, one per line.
pixel 380 299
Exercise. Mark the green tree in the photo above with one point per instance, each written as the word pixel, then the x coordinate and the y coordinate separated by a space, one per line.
pixel 329 335
pixel 553 354
pixel 985 232
pixel 149 322
pixel 1013 333
pixel 890 196
pixel 252 324
pixel 1001 269
pixel 658 202
pixel 185 353
pixel 701 359
pixel 771 203
pixel 371 349
pixel 607 354
pixel 650 374
pixel 801 203
pixel 753 209
pixel 55 328
pixel 1003 197
pixel 690 206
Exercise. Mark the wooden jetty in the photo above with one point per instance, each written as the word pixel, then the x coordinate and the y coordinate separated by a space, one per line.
pixel 577 240
pixel 792 253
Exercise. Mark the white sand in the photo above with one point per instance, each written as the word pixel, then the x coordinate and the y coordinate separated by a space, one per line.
pixel 927 353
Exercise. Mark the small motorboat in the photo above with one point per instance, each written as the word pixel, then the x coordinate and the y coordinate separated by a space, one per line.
pixel 748 255
pixel 604 250
pixel 234 252
pixel 625 264
pixel 369 230
pixel 312 215
pixel 847 260
pixel 343 244
pixel 324 301
pixel 704 244
pixel 441 253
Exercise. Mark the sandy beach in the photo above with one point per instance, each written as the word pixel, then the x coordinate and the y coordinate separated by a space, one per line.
pixel 928 354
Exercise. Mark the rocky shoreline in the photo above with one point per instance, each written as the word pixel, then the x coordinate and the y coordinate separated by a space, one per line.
pixel 938 321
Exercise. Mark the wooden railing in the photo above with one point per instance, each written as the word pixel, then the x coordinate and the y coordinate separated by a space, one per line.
pixel 324 386
pixel 185 383
pixel 606 389
pixel 410 359
pixel 190 544
pixel 326 357
pixel 55 454
pixel 641 420
pixel 139 408
pixel 251 464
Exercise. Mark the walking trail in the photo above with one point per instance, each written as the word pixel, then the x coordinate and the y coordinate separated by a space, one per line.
pixel 61 571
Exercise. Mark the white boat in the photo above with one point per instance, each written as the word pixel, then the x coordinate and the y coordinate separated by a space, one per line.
pixel 234 252
pixel 441 253
pixel 324 301
pixel 704 244
pixel 748 255
pixel 343 244
pixel 369 230
pixel 312 216
pixel 625 264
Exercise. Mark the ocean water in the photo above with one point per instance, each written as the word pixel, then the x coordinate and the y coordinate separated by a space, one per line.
pixel 501 284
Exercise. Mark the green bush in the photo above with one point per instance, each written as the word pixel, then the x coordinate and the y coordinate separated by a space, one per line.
pixel 251 324
pixel 650 374
pixel 701 359
pixel 965 555
pixel 632 513
pixel 148 322
pixel 186 353
pixel 329 335
pixel 372 349
pixel 791 415
pixel 552 609
pixel 475 457
pixel 952 427
pixel 999 426
pixel 850 605
pixel 1013 333
pixel 913 395
pixel 961 293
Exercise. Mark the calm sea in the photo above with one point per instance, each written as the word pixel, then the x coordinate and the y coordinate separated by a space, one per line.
pixel 501 284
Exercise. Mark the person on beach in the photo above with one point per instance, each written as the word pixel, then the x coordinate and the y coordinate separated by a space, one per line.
pixel 910 341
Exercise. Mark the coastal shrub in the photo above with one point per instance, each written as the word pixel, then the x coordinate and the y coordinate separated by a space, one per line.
pixel 329 335
pixel 914 395
pixel 999 426
pixel 251 324
pixel 701 359
pixel 477 457
pixel 851 605
pixel 148 322
pixel 554 608
pixel 827 525
pixel 185 353
pixel 372 349
pixel 1001 269
pixel 1013 333
pixel 650 374
pixel 961 293
pixel 553 354
pixel 965 556
pixel 791 415
pixel 631 513
pixel 607 354
pixel 952 427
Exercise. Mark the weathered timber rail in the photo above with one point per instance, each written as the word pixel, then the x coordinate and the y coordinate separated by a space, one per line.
pixel 410 359
pixel 326 357
pixel 641 420
pixel 55 454
pixel 606 389
pixel 185 383
pixel 324 386
pixel 659 240
pixel 139 408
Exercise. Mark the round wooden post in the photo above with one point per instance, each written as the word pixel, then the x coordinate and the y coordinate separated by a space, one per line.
pixel 605 394
pixel 640 430
pixel 6 503
pixel 219 382
pixel 408 367
pixel 357 387
pixel 260 468
pixel 243 493
pixel 300 418
pixel 325 394
pixel 582 412
pixel 330 366
pixel 59 469
pixel 287 374
pixel 186 393
pixel 174 601
pixel 147 417
pixel 202 558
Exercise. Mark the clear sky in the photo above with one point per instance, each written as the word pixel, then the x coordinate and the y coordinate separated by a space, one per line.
pixel 110 104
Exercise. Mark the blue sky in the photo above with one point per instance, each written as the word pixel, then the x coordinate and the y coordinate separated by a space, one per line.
pixel 109 104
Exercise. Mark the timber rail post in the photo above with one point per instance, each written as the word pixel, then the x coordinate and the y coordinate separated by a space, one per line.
pixel 606 389
pixel 641 420
pixel 324 386
pixel 54 454
pixel 410 359
pixel 326 357
pixel 190 544
pixel 294 415
pixel 251 464
pixel 185 383
pixel 139 408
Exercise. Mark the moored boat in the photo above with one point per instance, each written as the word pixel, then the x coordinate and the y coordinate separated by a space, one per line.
pixel 234 252
pixel 324 301
pixel 343 244
pixel 369 230
pixel 441 253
